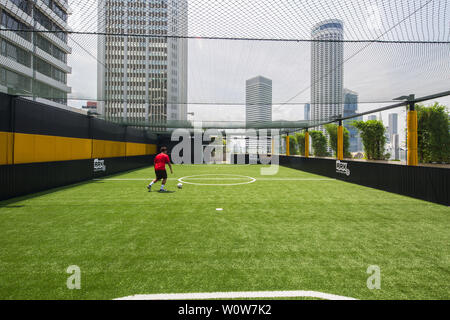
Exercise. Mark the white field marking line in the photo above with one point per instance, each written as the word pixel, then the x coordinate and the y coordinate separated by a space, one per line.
pixel 257 179
pixel 251 180
pixel 295 179
pixel 242 178
pixel 214 164
pixel 236 295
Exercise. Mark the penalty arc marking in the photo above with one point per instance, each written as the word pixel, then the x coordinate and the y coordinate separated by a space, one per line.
pixel 237 295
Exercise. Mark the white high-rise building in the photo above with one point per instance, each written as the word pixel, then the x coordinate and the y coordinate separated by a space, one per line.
pixel 258 100
pixel 142 78
pixel 34 64
pixel 327 70
pixel 258 106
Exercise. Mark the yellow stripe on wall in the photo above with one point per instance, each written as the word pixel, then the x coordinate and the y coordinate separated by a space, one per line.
pixel 151 149
pixel 6 147
pixel 30 148
pixel 108 149
pixel 140 149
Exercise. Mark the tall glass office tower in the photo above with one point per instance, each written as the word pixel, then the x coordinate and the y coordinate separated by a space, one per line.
pixel 327 72
pixel 350 109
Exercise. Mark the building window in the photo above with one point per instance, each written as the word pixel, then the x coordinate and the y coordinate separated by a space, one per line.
pixel 16 83
pixel 23 5
pixel 48 47
pixel 47 92
pixel 43 20
pixel 49 70
pixel 15 53
pixel 19 28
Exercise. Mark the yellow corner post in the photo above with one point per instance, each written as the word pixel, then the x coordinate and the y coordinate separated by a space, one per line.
pixel 412 138
pixel 307 144
pixel 340 142
pixel 287 146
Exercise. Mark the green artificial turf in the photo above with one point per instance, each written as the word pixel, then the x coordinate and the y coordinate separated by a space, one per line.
pixel 278 233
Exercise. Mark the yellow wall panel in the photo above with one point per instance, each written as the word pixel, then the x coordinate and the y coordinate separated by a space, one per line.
pixel 108 149
pixel 24 145
pixel 72 148
pixel 81 149
pixel 136 149
pixel 44 148
pixel 6 143
pixel 151 149
pixel 140 149
pixel 29 148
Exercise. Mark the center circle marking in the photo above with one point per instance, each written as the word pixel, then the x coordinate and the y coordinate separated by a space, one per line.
pixel 251 180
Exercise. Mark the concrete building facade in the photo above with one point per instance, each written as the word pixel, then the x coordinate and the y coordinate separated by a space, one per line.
pixel 143 78
pixel 258 106
pixel 34 64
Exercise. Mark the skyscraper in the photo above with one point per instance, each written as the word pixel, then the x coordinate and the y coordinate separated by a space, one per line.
pixel 327 72
pixel 142 78
pixel 393 136
pixel 350 109
pixel 393 125
pixel 258 104
pixel 307 111
pixel 258 100
pixel 35 64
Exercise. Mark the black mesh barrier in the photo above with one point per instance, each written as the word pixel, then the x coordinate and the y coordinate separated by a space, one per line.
pixel 108 166
pixel 37 118
pixel 5 113
pixel 136 135
pixel 250 158
pixel 103 130
pixel 421 182
pixel 23 179
pixel 6 182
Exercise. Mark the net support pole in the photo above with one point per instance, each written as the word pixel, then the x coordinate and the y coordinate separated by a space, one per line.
pixel 340 141
pixel 273 147
pixel 412 158
pixel 307 144
pixel 288 153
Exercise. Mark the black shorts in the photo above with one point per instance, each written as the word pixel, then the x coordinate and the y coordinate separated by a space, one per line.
pixel 161 174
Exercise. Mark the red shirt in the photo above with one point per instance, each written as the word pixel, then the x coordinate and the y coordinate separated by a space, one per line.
pixel 161 160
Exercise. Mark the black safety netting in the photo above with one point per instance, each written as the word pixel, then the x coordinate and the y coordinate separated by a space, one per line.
pixel 189 61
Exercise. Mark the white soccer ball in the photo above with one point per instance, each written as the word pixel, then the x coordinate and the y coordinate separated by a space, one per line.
pixel 180 185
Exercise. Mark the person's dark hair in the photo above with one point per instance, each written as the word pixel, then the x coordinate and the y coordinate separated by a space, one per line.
pixel 163 149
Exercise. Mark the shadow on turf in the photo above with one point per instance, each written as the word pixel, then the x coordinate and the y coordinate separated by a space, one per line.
pixel 7 203
pixel 162 192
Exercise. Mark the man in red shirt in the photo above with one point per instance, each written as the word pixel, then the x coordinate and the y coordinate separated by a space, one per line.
pixel 160 169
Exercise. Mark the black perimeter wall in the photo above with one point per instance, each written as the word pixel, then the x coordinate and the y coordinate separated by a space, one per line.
pixel 425 183
pixel 23 116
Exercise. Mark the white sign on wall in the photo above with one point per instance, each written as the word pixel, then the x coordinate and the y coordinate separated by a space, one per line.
pixel 342 167
pixel 99 165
